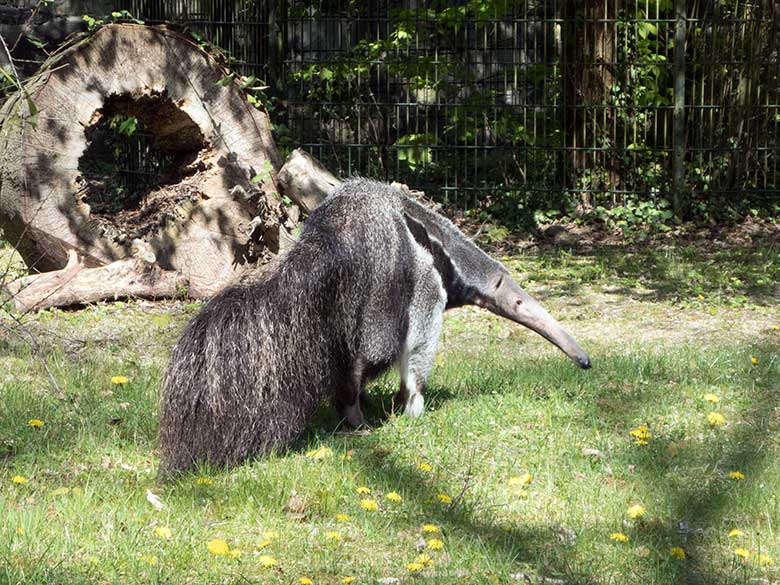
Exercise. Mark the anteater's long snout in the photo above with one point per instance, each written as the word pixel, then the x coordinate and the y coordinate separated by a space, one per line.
pixel 507 299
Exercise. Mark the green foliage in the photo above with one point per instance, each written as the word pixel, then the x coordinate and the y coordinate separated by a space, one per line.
pixel 264 175
pixel 486 140
pixel 123 124
pixel 413 149
pixel 117 16
pixel 637 214
pixel 92 23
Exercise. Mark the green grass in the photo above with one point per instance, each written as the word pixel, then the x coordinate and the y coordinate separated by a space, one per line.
pixel 501 403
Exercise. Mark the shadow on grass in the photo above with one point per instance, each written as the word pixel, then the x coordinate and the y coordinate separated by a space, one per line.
pixel 697 505
pixel 677 272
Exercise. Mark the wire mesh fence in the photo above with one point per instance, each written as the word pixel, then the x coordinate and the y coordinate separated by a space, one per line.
pixel 521 105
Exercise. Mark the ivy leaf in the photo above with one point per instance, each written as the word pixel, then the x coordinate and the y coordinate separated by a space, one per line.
pixel 32 120
pixel 35 41
pixel 129 126
pixel 248 81
pixel 8 76
pixel 225 81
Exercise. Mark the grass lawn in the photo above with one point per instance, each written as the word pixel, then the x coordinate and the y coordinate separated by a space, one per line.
pixel 523 469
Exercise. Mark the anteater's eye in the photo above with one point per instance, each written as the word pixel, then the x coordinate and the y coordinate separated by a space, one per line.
pixel 500 280
pixel 519 302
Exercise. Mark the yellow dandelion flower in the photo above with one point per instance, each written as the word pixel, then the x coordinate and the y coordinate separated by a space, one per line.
pixel 415 567
pixel 204 481
pixel 394 497
pixel 742 552
pixel 347 580
pixel 235 553
pixel 265 543
pixel 119 380
pixel 765 560
pixel 636 511
pixel 35 422
pixel 369 504
pixel 364 490
pixel 735 533
pixel 677 552
pixel 426 467
pixel 618 536
pixel 19 479
pixel 435 544
pixel 266 560
pixel 775 327
pixel 270 534
pixel 709 397
pixel 520 480
pixel 641 433
pixel 736 475
pixel 700 297
pixel 150 559
pixel 754 360
pixel 332 535
pixel 430 528
pixel 423 559
pixel 305 581
pixel 342 518
pixel 218 547
pixel 321 453
pixel 444 498
pixel 716 419
pixel 163 532
pixel 20 531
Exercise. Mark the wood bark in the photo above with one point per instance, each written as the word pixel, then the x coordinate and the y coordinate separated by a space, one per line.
pixel 201 219
pixel 76 284
pixel 589 55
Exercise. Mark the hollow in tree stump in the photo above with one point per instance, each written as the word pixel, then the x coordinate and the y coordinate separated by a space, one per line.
pixel 206 207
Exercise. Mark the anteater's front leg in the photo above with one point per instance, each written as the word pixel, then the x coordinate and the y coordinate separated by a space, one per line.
pixel 416 363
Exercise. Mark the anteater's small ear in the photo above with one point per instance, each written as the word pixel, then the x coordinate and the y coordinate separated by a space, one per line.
pixel 427 238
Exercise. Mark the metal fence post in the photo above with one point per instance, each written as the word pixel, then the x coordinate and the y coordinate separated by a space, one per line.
pixel 679 107
pixel 277 37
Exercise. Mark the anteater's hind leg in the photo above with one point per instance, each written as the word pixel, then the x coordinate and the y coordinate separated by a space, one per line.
pixel 347 401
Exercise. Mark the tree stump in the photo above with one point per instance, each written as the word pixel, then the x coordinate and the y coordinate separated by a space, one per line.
pixel 211 204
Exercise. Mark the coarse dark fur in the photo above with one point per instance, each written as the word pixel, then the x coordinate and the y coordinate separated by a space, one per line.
pixel 326 317
pixel 251 368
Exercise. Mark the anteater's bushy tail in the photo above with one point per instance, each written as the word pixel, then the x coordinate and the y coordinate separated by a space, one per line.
pixel 250 369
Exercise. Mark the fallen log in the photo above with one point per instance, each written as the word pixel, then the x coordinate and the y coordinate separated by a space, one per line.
pixel 76 284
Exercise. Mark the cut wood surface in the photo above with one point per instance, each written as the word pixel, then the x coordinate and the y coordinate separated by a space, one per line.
pixel 305 180
pixel 197 218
